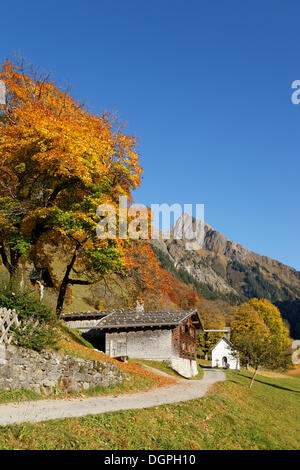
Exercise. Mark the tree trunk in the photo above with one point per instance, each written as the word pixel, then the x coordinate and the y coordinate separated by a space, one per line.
pixel 10 262
pixel 253 377
pixel 15 256
pixel 14 273
pixel 64 284
pixel 5 260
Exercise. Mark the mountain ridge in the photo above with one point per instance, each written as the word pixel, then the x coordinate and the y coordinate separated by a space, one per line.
pixel 227 268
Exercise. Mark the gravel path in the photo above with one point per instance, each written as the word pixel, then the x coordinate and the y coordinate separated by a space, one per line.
pixel 42 410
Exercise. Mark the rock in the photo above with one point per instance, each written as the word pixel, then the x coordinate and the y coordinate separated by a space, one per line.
pixel 45 371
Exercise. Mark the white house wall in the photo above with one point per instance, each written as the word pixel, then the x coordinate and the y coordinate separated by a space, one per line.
pixel 185 367
pixel 222 349
pixel 147 344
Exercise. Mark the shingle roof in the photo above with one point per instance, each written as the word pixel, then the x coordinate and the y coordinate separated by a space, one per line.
pixel 133 318
pixel 89 315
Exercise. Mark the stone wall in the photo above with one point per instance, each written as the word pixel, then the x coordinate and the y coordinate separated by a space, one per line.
pixel 27 369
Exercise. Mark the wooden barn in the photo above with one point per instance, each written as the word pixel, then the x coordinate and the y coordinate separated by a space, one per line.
pixel 162 335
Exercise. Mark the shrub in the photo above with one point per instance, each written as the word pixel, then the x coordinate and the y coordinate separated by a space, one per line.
pixel 37 330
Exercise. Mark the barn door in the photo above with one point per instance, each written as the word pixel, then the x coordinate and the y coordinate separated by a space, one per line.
pixel 122 347
pixel 118 347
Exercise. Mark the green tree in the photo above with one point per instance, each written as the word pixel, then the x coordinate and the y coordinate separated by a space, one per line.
pixel 260 336
pixel 37 329
pixel 212 318
pixel 58 163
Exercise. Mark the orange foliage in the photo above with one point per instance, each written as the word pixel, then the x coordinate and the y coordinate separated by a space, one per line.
pixel 155 286
pixel 47 132
pixel 150 280
pixel 180 294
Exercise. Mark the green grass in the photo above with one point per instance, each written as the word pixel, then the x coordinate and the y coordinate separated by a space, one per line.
pixel 230 416
pixel 75 335
pixel 205 362
pixel 19 395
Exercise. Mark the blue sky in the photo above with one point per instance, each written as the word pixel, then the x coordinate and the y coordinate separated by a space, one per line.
pixel 206 88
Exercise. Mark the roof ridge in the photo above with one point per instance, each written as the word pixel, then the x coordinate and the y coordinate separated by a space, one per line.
pixel 227 341
pixel 134 318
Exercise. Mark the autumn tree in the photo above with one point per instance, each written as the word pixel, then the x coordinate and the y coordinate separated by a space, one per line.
pixel 212 316
pixel 151 283
pixel 259 335
pixel 148 280
pixel 58 162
